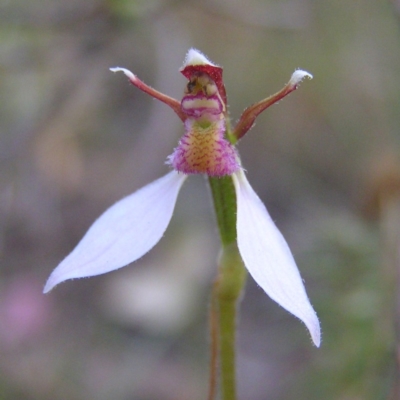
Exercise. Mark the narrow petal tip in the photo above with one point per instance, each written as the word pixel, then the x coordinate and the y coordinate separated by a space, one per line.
pixel 50 284
pixel 315 331
pixel 298 76
pixel 128 73
pixel 311 321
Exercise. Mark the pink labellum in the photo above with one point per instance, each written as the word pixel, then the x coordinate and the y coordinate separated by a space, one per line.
pixel 204 150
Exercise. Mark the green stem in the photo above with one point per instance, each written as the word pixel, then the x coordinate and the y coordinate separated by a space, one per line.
pixel 229 283
pixel 231 279
pixel 212 389
pixel 224 197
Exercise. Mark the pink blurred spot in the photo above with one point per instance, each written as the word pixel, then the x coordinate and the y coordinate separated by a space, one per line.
pixel 24 311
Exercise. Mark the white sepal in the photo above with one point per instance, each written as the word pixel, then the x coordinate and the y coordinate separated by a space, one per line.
pixel 267 256
pixel 124 233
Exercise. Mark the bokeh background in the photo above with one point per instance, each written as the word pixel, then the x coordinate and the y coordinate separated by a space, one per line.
pixel 74 138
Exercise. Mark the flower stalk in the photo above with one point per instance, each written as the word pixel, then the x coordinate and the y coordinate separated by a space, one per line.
pixel 227 289
pixel 224 199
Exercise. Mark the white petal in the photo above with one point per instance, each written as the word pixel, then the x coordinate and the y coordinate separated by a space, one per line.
pixel 124 233
pixel 267 256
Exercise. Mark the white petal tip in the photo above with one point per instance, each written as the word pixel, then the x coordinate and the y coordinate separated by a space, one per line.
pixel 315 330
pixel 195 57
pixel 298 76
pixel 48 286
pixel 128 73
pixel 53 281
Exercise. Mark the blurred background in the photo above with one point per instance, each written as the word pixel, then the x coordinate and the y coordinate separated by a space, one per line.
pixel 74 138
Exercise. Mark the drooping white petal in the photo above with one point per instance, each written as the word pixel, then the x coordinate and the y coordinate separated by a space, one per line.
pixel 267 256
pixel 124 233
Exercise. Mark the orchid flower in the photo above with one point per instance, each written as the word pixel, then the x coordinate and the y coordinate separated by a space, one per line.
pixel 132 226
